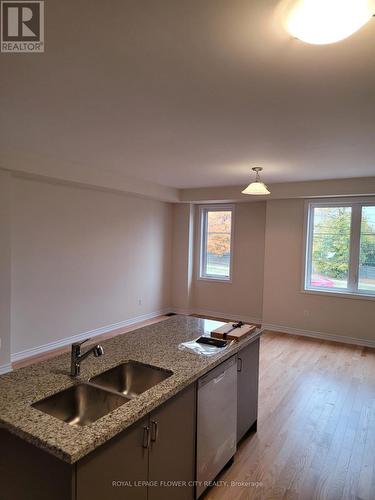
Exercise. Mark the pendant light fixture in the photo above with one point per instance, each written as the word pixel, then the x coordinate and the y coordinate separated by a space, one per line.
pixel 257 188
pixel 327 21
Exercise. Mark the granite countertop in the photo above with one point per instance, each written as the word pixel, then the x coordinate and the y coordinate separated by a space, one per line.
pixel 155 345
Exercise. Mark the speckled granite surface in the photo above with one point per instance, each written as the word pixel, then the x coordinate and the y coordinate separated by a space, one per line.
pixel 155 344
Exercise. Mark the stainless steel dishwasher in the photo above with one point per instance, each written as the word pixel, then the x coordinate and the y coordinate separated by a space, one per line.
pixel 216 422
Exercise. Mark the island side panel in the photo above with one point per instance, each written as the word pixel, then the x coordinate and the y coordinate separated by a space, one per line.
pixel 28 473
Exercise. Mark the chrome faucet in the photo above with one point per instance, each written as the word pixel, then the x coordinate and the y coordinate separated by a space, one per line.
pixel 77 357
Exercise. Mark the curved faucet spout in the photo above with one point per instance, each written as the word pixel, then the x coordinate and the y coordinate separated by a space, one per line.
pixel 77 357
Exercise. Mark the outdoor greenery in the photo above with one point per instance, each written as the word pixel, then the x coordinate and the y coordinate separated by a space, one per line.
pixel 332 242
pixel 367 255
pixel 218 229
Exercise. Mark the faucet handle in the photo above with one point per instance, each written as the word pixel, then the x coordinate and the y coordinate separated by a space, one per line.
pixel 78 344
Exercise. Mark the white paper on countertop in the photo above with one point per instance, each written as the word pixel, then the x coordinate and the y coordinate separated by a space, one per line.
pixel 202 349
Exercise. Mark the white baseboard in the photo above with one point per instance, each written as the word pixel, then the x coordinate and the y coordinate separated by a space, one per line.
pixel 319 335
pixel 5 368
pixel 28 353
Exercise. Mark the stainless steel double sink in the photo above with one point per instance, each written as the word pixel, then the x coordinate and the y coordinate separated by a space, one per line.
pixel 83 404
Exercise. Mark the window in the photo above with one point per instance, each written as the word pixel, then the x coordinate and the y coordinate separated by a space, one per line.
pixel 340 247
pixel 216 225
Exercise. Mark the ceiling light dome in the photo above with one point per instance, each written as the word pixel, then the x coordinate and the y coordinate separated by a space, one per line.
pixel 327 21
pixel 257 188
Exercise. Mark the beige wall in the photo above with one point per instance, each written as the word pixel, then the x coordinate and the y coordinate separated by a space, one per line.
pixel 83 258
pixel 182 256
pixel 5 283
pixel 283 303
pixel 242 297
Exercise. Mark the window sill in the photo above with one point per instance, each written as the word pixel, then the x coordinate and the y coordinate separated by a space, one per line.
pixel 341 295
pixel 214 280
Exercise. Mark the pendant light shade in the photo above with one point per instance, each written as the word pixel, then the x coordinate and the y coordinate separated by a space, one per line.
pixel 327 21
pixel 257 188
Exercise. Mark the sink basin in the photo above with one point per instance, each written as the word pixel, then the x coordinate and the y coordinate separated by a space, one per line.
pixel 131 378
pixel 81 404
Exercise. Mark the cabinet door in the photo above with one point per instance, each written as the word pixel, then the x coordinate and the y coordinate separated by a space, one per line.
pixel 114 469
pixel 247 387
pixel 172 451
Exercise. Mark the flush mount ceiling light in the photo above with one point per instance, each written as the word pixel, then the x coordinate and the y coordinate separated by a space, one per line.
pixel 257 187
pixel 327 21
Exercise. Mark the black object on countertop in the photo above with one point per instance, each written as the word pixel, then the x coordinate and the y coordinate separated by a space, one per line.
pixel 213 342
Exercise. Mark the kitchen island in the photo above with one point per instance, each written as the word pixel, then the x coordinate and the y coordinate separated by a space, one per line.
pixel 123 452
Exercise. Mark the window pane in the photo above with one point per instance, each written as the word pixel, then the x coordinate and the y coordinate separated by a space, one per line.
pixel 367 251
pixel 330 247
pixel 218 239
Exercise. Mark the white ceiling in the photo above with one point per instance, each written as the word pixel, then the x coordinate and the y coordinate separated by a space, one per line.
pixel 190 94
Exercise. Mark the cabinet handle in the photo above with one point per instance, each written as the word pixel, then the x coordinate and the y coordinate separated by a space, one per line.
pixel 154 430
pixel 146 437
pixel 239 365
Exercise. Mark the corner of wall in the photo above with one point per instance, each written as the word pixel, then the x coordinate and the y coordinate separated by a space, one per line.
pixel 5 269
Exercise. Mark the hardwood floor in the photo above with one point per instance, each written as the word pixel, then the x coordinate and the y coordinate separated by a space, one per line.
pixel 316 426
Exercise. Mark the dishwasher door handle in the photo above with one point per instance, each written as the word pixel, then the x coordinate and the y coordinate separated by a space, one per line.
pixel 220 377
pixel 239 365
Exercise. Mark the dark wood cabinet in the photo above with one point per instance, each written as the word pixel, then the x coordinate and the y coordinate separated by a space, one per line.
pixel 172 449
pixel 247 388
pixel 118 467
pixel 142 462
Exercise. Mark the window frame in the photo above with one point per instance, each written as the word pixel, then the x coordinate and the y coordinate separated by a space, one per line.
pixel 356 205
pixel 203 210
